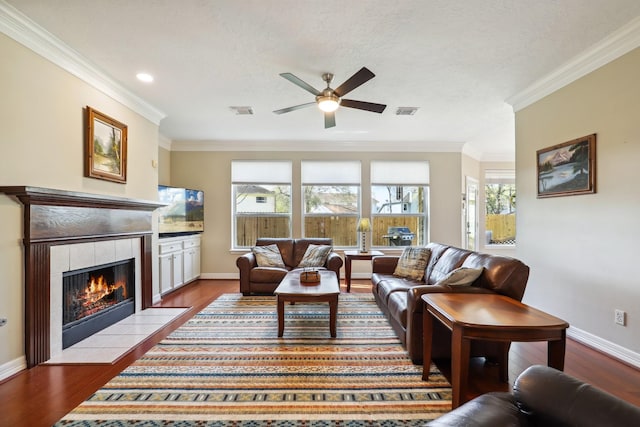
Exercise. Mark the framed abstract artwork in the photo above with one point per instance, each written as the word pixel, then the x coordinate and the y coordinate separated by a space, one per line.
pixel 568 168
pixel 106 148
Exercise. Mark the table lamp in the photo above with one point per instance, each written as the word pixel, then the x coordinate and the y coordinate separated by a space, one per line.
pixel 364 227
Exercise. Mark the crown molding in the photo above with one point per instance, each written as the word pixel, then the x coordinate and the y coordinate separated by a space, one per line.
pixel 342 146
pixel 618 43
pixel 26 32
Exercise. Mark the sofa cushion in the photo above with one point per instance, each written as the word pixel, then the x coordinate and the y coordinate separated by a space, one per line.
pixel 268 256
pixel 412 263
pixel 267 274
pixel 392 284
pixel 462 276
pixel 450 259
pixel 284 245
pixel 315 256
pixel 397 306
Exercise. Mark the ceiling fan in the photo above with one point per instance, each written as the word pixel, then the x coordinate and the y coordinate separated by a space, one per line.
pixel 328 100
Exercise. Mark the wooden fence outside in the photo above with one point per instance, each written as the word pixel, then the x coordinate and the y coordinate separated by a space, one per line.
pixel 501 227
pixel 341 228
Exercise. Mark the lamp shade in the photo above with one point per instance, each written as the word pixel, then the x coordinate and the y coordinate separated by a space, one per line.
pixel 364 225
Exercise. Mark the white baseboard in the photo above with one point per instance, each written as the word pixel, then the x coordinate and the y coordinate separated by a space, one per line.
pixel 13 367
pixel 225 276
pixel 614 350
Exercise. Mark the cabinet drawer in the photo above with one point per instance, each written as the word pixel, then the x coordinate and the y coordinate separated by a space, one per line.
pixel 170 247
pixel 191 243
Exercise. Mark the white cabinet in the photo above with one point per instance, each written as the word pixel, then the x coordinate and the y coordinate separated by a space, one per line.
pixel 179 261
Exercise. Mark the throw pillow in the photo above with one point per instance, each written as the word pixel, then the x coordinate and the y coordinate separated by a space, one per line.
pixel 412 263
pixel 462 276
pixel 268 256
pixel 315 256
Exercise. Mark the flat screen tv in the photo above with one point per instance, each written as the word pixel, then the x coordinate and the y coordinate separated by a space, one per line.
pixel 184 213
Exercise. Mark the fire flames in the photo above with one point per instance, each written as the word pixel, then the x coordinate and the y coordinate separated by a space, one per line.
pixel 98 288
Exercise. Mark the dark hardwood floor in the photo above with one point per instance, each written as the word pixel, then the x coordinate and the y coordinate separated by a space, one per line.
pixel 42 395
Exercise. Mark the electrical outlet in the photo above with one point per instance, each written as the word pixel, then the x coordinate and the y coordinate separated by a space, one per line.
pixel 3 321
pixel 620 317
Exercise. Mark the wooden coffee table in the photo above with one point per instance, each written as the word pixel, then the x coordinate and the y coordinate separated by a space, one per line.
pixel 292 290
pixel 488 317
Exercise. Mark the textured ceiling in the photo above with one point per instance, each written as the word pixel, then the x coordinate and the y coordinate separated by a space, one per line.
pixel 456 60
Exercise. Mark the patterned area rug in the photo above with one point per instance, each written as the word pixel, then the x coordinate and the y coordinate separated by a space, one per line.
pixel 226 367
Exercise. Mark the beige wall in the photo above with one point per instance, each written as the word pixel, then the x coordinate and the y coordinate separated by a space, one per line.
pixel 42 144
pixel 211 172
pixel 583 250
pixel 164 166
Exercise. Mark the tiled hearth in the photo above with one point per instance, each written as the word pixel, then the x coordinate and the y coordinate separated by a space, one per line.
pixel 108 345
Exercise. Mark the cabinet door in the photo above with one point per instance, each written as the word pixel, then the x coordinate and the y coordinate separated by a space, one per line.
pixel 188 265
pixel 177 269
pixel 166 273
pixel 196 262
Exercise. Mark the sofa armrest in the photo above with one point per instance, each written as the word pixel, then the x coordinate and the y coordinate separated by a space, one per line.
pixel 384 264
pixel 245 263
pixel 489 410
pixel 552 398
pixel 334 263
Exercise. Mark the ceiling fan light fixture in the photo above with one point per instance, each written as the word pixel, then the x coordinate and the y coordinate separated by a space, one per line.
pixel 328 103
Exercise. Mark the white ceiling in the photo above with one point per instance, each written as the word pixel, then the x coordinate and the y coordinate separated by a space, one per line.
pixel 458 61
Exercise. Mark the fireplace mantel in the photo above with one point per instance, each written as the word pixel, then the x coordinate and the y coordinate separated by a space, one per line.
pixel 54 217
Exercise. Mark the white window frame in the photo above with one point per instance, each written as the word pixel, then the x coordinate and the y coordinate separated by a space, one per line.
pixel 410 173
pixel 326 173
pixel 498 176
pixel 260 173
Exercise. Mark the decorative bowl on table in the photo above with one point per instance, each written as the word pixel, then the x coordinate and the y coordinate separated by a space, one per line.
pixel 310 277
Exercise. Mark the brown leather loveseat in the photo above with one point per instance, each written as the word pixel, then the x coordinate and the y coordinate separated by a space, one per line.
pixel 400 298
pixel 264 280
pixel 544 397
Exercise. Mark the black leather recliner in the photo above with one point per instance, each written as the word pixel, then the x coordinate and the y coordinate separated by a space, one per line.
pixel 543 396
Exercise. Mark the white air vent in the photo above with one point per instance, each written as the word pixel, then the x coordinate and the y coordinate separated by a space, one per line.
pixel 242 111
pixel 406 111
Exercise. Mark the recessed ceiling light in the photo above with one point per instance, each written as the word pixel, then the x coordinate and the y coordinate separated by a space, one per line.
pixel 145 77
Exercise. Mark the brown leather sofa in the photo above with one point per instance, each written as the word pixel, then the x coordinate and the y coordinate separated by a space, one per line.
pixel 400 298
pixel 264 280
pixel 544 397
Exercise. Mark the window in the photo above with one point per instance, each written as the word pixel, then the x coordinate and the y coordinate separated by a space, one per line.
pixel 399 202
pixel 500 202
pixel 261 200
pixel 331 200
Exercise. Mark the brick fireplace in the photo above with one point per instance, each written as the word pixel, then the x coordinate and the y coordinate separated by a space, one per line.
pixel 65 231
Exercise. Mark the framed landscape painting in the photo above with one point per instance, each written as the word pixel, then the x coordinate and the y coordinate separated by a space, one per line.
pixel 568 168
pixel 106 148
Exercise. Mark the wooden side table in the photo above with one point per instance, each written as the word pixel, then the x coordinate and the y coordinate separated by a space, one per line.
pixel 351 255
pixel 489 317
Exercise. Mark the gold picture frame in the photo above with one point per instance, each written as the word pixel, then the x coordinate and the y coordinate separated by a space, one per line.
pixel 567 169
pixel 106 148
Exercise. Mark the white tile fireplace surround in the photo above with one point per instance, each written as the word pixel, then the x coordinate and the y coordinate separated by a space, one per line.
pixel 64 258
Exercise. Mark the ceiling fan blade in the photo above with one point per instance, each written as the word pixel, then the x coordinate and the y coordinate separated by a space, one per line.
pixel 301 83
pixel 359 78
pixel 329 119
pixel 294 108
pixel 361 105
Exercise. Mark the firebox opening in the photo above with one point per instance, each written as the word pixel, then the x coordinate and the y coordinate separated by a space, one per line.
pixel 95 298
